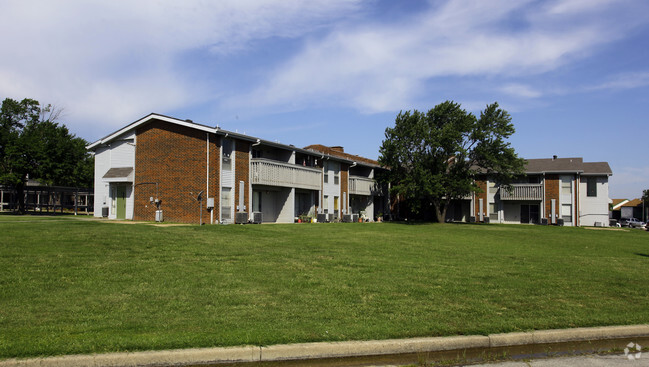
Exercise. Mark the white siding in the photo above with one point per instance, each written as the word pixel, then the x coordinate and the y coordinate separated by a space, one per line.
pixel 330 189
pixel 122 151
pixel 119 153
pixel 593 209
pixel 102 164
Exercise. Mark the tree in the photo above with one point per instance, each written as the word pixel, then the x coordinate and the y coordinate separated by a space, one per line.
pixel 434 157
pixel 33 145
pixel 645 204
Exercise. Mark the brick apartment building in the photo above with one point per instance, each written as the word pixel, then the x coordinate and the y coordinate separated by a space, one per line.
pixel 189 172
pixel 564 191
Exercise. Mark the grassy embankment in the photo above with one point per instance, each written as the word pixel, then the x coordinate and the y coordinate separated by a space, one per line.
pixel 71 286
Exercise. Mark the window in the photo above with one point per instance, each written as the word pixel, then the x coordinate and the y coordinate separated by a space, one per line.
pixel 226 204
pixel 336 206
pixel 566 213
pixel 566 186
pixel 227 155
pixel 492 187
pixel 493 213
pixel 256 153
pixel 326 172
pixel 325 204
pixel 336 179
pixel 591 186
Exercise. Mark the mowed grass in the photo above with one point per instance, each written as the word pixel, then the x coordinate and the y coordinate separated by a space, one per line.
pixel 72 286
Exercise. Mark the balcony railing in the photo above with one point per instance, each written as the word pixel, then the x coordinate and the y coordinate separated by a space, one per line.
pixel 274 173
pixel 522 192
pixel 363 186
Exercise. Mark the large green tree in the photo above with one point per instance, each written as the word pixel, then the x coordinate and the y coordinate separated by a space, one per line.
pixel 33 145
pixel 434 157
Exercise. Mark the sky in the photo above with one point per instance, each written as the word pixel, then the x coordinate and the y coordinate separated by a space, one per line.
pixel 573 74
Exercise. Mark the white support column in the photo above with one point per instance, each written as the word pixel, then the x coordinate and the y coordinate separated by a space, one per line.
pixel 481 206
pixel 554 211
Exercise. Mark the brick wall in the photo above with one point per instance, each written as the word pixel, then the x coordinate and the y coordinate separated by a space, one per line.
pixel 242 173
pixel 176 158
pixel 482 184
pixel 552 191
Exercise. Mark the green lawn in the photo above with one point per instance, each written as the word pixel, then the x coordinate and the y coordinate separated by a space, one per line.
pixel 77 286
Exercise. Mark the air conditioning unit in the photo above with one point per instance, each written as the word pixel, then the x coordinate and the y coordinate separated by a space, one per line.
pixel 347 218
pixel 241 218
pixel 322 218
pixel 257 217
pixel 560 221
pixel 355 218
pixel 104 211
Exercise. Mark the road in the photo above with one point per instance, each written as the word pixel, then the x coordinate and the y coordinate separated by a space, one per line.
pixel 576 361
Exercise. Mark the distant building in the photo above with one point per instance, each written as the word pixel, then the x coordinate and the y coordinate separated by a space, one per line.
pixel 565 191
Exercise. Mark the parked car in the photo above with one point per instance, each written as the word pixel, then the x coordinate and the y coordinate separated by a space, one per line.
pixel 632 223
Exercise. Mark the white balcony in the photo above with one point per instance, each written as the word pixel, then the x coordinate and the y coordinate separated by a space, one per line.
pixel 362 186
pixel 274 173
pixel 522 192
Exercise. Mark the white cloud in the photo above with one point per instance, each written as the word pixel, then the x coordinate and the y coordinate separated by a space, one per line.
pixel 379 67
pixel 624 81
pixel 110 60
pixel 521 90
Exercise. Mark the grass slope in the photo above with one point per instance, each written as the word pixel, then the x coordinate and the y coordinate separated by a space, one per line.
pixel 72 286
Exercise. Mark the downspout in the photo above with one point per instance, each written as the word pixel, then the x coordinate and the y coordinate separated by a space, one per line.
pixel 251 214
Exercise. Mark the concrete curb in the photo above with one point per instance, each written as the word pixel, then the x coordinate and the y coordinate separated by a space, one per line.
pixel 304 351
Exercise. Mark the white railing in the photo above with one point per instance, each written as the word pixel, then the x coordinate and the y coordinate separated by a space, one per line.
pixel 522 192
pixel 274 173
pixel 362 186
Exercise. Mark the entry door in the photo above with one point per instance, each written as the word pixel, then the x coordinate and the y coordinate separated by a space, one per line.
pixel 529 214
pixel 120 196
pixel 525 213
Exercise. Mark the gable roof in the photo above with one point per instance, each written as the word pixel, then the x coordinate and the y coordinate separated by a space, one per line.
pixel 347 158
pixel 617 203
pixel 338 152
pixel 152 116
pixel 567 165
pixel 633 203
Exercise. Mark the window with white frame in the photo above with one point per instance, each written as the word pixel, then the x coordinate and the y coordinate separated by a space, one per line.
pixel 493 212
pixel 566 213
pixel 566 186
pixel 227 155
pixel 226 203
pixel 591 186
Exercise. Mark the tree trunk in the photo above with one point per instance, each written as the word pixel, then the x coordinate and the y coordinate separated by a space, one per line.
pixel 440 211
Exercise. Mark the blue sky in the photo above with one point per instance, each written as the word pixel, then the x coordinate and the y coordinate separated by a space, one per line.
pixel 574 74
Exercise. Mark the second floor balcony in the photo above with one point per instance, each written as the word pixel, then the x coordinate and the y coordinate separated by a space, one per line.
pixel 275 173
pixel 363 186
pixel 522 192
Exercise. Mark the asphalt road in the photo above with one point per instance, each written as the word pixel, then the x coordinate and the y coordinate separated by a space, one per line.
pixel 578 361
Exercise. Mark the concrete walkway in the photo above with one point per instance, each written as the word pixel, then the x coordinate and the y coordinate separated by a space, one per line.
pixel 337 350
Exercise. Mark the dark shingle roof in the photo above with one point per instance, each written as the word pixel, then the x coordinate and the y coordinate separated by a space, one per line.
pixel 557 165
pixel 118 172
